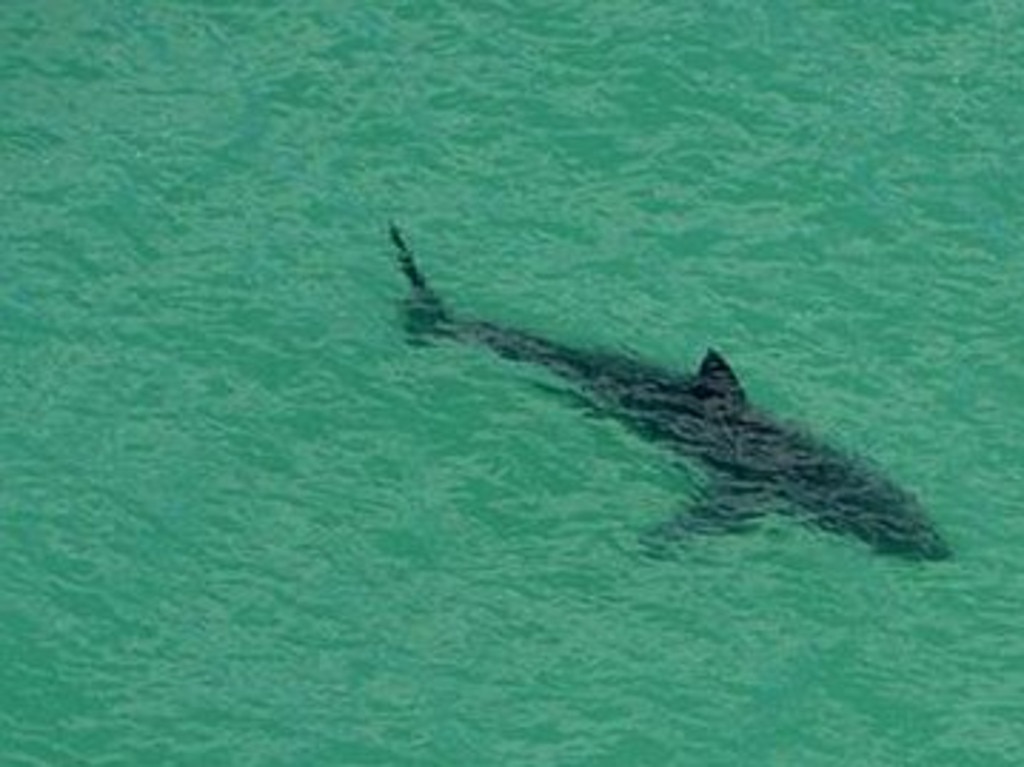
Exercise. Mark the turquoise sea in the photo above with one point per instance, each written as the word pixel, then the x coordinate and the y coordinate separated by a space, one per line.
pixel 243 521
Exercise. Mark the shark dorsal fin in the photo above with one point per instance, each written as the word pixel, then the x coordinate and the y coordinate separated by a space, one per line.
pixel 716 379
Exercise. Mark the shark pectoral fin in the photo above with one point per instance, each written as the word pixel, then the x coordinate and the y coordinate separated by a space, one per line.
pixel 718 514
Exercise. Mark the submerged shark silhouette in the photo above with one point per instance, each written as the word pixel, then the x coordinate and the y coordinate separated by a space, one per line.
pixel 754 463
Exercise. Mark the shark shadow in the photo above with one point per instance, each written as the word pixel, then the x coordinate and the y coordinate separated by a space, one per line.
pixel 754 463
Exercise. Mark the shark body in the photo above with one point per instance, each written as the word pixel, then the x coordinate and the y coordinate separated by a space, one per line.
pixel 754 463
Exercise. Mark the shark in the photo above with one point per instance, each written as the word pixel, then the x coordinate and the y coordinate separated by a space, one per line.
pixel 752 463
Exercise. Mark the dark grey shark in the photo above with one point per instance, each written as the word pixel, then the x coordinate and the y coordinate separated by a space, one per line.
pixel 754 463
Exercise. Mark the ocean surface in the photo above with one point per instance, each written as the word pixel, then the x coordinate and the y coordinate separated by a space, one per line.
pixel 243 521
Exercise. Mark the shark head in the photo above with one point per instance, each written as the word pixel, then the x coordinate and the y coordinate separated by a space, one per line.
pixel 887 517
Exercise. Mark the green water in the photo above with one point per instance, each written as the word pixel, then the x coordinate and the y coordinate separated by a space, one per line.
pixel 243 522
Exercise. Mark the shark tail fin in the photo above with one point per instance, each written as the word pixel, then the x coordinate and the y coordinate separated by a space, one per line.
pixel 406 261
pixel 424 310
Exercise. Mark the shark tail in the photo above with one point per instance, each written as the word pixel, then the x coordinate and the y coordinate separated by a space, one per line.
pixel 424 310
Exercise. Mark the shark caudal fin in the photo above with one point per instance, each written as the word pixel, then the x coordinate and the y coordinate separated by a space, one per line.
pixel 424 311
pixel 406 260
